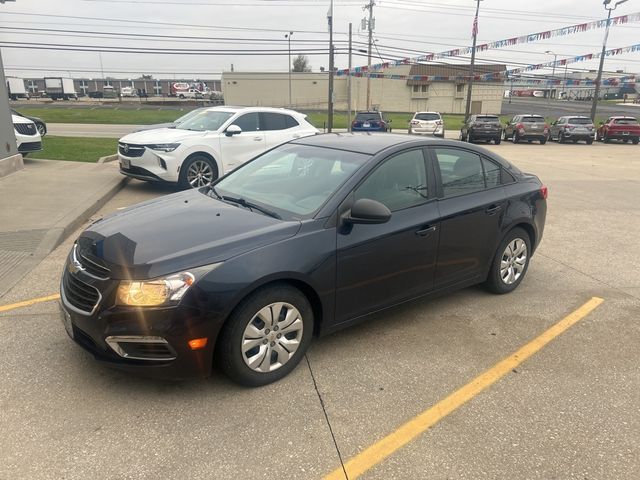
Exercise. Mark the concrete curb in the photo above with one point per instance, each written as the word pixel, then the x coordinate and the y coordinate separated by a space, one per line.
pixel 11 165
pixel 74 219
pixel 108 158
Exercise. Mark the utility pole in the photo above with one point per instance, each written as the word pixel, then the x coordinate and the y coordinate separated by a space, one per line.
pixel 288 37
pixel 370 26
pixel 349 80
pixel 474 33
pixel 331 69
pixel 550 83
pixel 596 93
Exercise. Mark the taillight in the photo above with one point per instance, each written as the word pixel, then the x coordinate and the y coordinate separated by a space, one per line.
pixel 353 124
pixel 415 122
pixel 520 126
pixel 438 122
pixel 544 191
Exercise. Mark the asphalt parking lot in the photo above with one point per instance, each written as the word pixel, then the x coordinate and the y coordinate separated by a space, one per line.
pixel 571 410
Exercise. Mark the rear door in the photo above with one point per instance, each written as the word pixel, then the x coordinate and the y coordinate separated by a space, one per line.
pixel 237 149
pixel 471 204
pixel 379 265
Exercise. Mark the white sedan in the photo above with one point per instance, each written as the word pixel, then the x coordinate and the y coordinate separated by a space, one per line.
pixel 205 147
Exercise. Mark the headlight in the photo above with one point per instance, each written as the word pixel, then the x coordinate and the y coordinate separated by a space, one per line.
pixel 163 147
pixel 161 291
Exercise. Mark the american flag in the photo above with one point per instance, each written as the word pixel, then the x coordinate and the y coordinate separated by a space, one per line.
pixel 474 29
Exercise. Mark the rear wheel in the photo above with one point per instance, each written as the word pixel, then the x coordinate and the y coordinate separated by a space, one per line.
pixel 266 336
pixel 497 140
pixel 510 263
pixel 561 138
pixel 198 171
pixel 543 140
pixel 589 141
pixel 606 139
pixel 515 138
pixel 636 141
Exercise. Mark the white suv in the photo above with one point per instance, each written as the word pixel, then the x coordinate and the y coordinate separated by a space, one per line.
pixel 208 145
pixel 427 123
pixel 28 138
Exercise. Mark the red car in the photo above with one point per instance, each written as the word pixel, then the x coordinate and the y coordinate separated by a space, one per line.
pixel 619 128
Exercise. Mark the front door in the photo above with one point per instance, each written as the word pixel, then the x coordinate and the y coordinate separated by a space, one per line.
pixel 237 149
pixel 379 265
pixel 472 206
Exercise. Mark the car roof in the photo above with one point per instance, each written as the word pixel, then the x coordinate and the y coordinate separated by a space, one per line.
pixel 365 111
pixel 366 142
pixel 435 113
pixel 619 118
pixel 233 109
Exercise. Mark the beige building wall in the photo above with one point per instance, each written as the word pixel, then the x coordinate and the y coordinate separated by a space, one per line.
pixel 309 91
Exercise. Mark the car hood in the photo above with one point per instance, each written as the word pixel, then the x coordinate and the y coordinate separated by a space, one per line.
pixel 177 232
pixel 19 119
pixel 160 135
pixel 156 127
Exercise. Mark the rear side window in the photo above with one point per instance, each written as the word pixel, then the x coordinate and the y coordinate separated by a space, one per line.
pixel 532 119
pixel 291 122
pixel 399 182
pixel 491 173
pixel 460 170
pixel 273 121
pixel 580 121
pixel 427 116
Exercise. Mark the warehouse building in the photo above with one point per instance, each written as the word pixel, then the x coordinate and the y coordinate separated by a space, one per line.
pixel 309 90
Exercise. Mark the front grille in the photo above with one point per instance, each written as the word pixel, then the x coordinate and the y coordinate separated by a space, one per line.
pixel 25 128
pixel 30 147
pixel 91 266
pixel 80 295
pixel 130 150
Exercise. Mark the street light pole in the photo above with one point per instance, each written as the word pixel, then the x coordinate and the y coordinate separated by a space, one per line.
pixel 288 37
pixel 349 79
pixel 474 33
pixel 555 59
pixel 596 93
pixel 331 68
pixel 369 6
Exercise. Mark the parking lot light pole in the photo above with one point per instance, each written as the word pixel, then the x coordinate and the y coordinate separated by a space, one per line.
pixel 596 93
pixel 549 84
pixel 288 37
pixel 474 33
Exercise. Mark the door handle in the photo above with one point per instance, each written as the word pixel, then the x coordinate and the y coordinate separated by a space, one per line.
pixel 493 209
pixel 257 139
pixel 426 231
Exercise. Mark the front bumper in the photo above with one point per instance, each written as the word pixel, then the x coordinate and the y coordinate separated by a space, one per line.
pixel 26 147
pixel 168 327
pixel 151 165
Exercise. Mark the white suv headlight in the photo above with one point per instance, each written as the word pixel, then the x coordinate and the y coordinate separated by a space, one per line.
pixel 162 291
pixel 163 147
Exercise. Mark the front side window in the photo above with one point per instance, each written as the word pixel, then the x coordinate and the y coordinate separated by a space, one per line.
pixel 399 182
pixel 461 171
pixel 247 122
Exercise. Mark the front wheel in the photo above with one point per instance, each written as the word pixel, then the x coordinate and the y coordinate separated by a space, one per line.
pixel 266 337
pixel 543 140
pixel 510 263
pixel 198 171
pixel 515 138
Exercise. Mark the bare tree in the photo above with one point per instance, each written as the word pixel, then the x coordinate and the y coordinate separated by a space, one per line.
pixel 301 64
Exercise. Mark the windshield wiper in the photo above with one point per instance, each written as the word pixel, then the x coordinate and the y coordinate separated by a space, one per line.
pixel 252 206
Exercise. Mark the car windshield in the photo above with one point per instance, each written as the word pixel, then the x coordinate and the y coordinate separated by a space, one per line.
pixel 532 119
pixel 626 121
pixel 368 117
pixel 188 116
pixel 427 116
pixel 292 180
pixel 487 119
pixel 208 120
pixel 580 121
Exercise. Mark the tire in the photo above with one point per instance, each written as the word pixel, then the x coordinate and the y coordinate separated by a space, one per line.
pixel 461 138
pixel 589 141
pixel 42 129
pixel 515 138
pixel 636 141
pixel 606 139
pixel 244 325
pixel 197 171
pixel 495 282
pixel 497 140
pixel 561 138
pixel 504 136
pixel 181 96
pixel 470 139
pixel 529 141
pixel 575 140
pixel 543 140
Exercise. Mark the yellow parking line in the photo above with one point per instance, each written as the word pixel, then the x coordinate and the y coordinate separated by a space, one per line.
pixel 388 445
pixel 26 303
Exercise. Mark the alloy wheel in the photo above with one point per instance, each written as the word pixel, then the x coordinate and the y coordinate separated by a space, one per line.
pixel 272 337
pixel 514 261
pixel 199 174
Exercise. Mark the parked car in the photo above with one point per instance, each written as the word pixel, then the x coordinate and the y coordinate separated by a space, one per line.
pixel 572 129
pixel 527 127
pixel 175 123
pixel 427 123
pixel 308 238
pixel 190 93
pixel 27 137
pixel 208 145
pixel 128 92
pixel 40 125
pixel 370 122
pixel 482 127
pixel 619 128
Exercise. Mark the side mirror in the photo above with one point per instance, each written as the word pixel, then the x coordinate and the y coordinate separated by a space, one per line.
pixel 232 130
pixel 367 211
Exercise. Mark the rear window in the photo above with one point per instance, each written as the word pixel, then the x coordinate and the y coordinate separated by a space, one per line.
pixel 580 121
pixel 532 119
pixel 626 121
pixel 427 116
pixel 368 117
pixel 487 119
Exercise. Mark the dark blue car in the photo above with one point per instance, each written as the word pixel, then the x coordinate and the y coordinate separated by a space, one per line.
pixel 370 122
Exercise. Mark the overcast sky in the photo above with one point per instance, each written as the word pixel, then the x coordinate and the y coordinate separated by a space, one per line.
pixel 403 28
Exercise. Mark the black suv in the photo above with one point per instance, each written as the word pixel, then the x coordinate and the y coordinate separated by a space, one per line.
pixel 481 127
